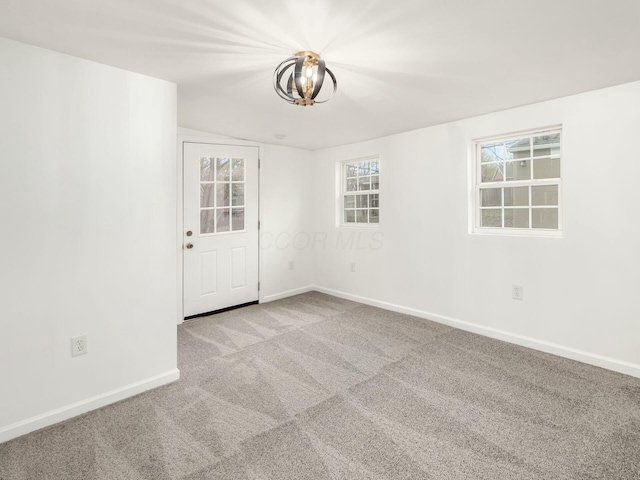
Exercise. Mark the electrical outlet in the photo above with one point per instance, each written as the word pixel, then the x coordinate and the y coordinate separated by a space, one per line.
pixel 291 265
pixel 517 292
pixel 353 267
pixel 78 345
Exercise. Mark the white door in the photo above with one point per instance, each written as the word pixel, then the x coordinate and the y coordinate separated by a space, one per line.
pixel 220 227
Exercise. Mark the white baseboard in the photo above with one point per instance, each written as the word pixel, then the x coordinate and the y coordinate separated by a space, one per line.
pixel 609 363
pixel 64 413
pixel 289 293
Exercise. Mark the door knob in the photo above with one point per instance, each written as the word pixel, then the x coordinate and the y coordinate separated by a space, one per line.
pixel 189 233
pixel 189 246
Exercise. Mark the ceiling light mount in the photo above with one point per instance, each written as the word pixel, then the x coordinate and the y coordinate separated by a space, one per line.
pixel 307 72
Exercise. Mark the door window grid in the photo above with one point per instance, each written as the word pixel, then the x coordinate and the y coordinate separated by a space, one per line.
pixel 222 189
pixel 518 185
pixel 361 191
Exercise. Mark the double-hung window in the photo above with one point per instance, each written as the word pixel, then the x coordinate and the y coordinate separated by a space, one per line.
pixel 360 195
pixel 518 187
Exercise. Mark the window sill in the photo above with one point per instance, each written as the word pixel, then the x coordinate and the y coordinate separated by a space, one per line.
pixel 504 232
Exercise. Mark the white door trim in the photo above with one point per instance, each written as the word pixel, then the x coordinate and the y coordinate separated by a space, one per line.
pixel 213 140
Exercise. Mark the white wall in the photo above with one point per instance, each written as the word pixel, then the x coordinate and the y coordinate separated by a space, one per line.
pixel 580 291
pixel 87 211
pixel 286 215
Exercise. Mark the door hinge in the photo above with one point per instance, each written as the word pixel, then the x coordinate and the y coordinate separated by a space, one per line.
pixel 258 163
pixel 258 224
pixel 258 286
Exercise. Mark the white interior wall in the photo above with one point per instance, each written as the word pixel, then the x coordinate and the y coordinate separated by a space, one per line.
pixel 87 211
pixel 579 290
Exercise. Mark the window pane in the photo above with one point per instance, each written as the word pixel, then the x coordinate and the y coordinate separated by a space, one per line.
pixel 361 216
pixel 516 217
pixel 544 218
pixel 374 215
pixel 492 152
pixel 364 183
pixel 545 195
pixel 519 170
pixel 363 168
pixel 222 220
pixel 222 194
pixel 492 172
pixel 206 194
pixel 362 201
pixel 491 197
pixel 352 170
pixel 375 182
pixel 516 196
pixel 349 216
pixel 237 219
pixel 546 168
pixel 375 167
pixel 546 141
pixel 352 184
pixel 349 201
pixel 222 166
pixel 519 148
pixel 206 221
pixel 238 170
pixel 206 169
pixel 491 217
pixel 373 200
pixel 238 194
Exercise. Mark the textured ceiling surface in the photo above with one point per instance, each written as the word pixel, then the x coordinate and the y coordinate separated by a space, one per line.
pixel 400 65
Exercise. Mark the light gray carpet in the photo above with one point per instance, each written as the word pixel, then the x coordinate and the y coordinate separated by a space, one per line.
pixel 315 387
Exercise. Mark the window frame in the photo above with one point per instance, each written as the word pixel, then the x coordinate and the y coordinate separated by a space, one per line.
pixel 343 192
pixel 477 186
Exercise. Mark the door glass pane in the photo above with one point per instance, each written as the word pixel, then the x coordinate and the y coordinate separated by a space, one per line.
pixel 362 201
pixel 374 200
pixel 544 218
pixel 349 201
pixel 222 194
pixel 238 194
pixel 364 183
pixel 491 217
pixel 206 169
pixel 374 215
pixel 206 221
pixel 516 196
pixel 349 216
pixel 352 184
pixel 375 182
pixel 222 220
pixel 491 197
pixel 206 194
pixel 546 168
pixel 516 217
pixel 222 169
pixel 361 216
pixel 545 195
pixel 518 170
pixel 237 219
pixel 238 170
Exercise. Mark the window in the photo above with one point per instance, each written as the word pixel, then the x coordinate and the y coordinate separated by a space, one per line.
pixel 361 191
pixel 518 185
pixel 221 195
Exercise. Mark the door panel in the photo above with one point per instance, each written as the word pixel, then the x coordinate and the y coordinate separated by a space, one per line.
pixel 221 211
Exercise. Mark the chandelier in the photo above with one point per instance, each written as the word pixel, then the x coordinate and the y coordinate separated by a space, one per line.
pixel 305 80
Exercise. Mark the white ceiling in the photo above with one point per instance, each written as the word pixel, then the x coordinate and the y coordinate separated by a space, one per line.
pixel 400 64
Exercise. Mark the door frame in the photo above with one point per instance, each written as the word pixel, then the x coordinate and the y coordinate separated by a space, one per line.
pixel 190 136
